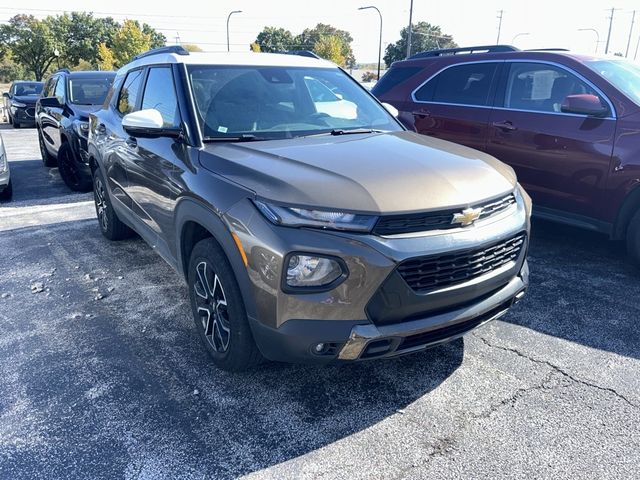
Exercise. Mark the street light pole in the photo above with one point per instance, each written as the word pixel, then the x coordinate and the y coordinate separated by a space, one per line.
pixel 633 20
pixel 409 32
pixel 380 40
pixel 606 48
pixel 500 14
pixel 594 31
pixel 513 40
pixel 228 17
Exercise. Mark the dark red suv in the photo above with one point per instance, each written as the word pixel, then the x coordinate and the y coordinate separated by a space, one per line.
pixel 568 124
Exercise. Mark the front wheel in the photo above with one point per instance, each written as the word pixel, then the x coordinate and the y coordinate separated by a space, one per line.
pixel 218 309
pixel 7 193
pixel 110 225
pixel 48 159
pixel 69 171
pixel 633 238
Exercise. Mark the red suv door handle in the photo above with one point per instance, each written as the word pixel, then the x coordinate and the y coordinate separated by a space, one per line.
pixel 421 113
pixel 505 125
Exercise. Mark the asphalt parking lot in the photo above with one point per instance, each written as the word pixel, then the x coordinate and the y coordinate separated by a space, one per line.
pixel 102 374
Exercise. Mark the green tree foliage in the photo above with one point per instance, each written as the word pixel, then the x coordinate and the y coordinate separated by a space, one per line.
pixel 369 76
pixel 10 71
pixel 157 39
pixel 105 57
pixel 128 42
pixel 424 37
pixel 272 39
pixel 330 47
pixel 310 37
pixel 32 43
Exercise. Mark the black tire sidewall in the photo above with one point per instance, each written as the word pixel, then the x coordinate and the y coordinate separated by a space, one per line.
pixel 633 238
pixel 241 344
pixel 116 229
pixel 66 156
pixel 7 193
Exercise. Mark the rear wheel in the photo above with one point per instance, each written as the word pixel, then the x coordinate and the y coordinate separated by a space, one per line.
pixel 110 225
pixel 48 159
pixel 218 309
pixel 69 171
pixel 7 193
pixel 633 238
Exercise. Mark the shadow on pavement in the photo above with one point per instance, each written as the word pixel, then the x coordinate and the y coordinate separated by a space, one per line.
pixel 583 289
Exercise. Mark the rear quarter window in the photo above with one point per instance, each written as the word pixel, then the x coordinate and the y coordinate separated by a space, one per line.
pixel 394 77
pixel 465 84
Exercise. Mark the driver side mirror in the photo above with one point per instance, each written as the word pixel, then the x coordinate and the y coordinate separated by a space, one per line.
pixel 584 104
pixel 6 95
pixel 148 123
pixel 51 102
pixel 391 109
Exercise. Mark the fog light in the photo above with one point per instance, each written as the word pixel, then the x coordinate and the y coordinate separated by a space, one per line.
pixel 311 271
pixel 319 348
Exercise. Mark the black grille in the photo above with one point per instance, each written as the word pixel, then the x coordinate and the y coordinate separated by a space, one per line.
pixel 440 220
pixel 427 273
pixel 31 111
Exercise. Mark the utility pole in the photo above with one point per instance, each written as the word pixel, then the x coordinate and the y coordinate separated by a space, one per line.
pixel 637 45
pixel 409 32
pixel 606 48
pixel 177 38
pixel 633 20
pixel 500 14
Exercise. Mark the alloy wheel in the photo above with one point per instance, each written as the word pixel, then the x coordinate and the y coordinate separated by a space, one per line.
pixel 101 204
pixel 211 303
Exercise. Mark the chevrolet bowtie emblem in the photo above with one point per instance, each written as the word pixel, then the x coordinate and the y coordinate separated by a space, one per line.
pixel 467 217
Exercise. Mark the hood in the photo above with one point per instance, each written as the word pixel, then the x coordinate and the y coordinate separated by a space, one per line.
pixel 84 111
pixel 26 99
pixel 373 173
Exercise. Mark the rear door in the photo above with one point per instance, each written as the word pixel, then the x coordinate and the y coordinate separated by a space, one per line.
pixel 561 159
pixel 455 103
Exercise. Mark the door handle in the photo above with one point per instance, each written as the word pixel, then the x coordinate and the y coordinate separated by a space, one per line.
pixel 505 125
pixel 421 113
pixel 131 142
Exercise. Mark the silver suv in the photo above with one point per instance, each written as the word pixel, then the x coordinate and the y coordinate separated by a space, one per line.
pixel 308 223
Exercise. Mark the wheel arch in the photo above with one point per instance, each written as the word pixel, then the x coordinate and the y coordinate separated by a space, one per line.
pixel 195 222
pixel 629 207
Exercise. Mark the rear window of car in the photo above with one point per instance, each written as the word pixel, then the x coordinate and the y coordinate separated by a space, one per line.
pixel 467 84
pixel 392 78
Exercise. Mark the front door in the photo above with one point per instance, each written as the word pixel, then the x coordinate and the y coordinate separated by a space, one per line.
pixel 455 104
pixel 561 159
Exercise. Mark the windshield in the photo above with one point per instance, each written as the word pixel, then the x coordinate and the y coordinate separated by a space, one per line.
pixel 282 102
pixel 89 91
pixel 27 89
pixel 622 74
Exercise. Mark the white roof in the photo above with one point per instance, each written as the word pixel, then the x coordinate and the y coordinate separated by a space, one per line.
pixel 233 58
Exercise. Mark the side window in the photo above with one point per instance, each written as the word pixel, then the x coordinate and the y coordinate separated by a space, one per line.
pixel 48 87
pixel 59 91
pixel 12 91
pixel 541 87
pixel 467 84
pixel 160 93
pixel 128 98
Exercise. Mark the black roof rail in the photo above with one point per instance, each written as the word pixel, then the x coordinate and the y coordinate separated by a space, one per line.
pixel 547 50
pixel 465 50
pixel 62 70
pixel 302 53
pixel 177 49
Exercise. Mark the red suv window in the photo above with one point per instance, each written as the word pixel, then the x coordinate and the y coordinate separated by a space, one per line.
pixel 467 84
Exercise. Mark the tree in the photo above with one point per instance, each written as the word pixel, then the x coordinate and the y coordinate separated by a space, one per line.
pixel 424 37
pixel 330 47
pixel 79 34
pixel 31 42
pixel 308 39
pixel 105 57
pixel 272 39
pixel 190 47
pixel 128 42
pixel 157 39
pixel 254 47
pixel 369 77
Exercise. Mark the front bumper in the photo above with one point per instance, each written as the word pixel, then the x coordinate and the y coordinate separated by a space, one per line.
pixel 24 115
pixel 347 341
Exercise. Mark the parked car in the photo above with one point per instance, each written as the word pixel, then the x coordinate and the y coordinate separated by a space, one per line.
pixel 303 236
pixel 62 117
pixel 568 124
pixel 20 101
pixel 6 189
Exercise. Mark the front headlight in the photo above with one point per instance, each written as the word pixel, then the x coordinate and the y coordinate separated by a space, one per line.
pixel 81 128
pixel 521 194
pixel 310 270
pixel 326 219
pixel 18 104
pixel 4 165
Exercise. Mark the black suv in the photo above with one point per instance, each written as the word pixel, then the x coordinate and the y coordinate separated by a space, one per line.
pixel 19 102
pixel 62 119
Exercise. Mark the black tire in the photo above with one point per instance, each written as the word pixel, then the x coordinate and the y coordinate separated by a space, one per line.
pixel 110 225
pixel 69 171
pixel 633 238
pixel 222 325
pixel 7 193
pixel 48 159
pixel 16 124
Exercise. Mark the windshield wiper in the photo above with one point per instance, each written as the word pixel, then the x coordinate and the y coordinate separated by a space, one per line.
pixel 342 131
pixel 242 138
